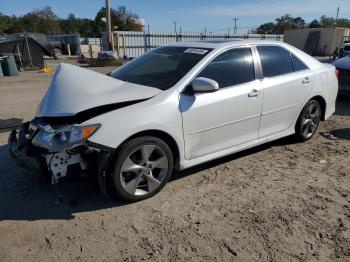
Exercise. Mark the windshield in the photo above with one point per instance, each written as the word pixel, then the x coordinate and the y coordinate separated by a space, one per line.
pixel 161 68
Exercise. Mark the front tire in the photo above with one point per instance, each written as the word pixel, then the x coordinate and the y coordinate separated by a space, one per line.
pixel 308 121
pixel 57 53
pixel 142 168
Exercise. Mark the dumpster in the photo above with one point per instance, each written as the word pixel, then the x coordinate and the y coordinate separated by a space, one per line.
pixel 9 66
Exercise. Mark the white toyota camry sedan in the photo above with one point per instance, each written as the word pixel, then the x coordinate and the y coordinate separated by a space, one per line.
pixel 172 108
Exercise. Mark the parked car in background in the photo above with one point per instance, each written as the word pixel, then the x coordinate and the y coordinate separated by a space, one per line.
pixel 344 47
pixel 55 48
pixel 172 108
pixel 29 49
pixel 343 70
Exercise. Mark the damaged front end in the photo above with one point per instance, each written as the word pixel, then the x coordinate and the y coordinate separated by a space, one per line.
pixel 57 140
pixel 58 149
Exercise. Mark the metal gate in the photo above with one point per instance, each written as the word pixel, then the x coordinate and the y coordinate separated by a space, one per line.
pixel 133 44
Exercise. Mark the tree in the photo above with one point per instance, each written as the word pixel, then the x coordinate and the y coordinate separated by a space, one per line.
pixel 298 22
pixel 287 22
pixel 70 25
pixel 45 21
pixel 342 22
pixel 41 20
pixel 267 28
pixel 5 23
pixel 315 24
pixel 87 28
pixel 121 18
pixel 127 19
pixel 327 21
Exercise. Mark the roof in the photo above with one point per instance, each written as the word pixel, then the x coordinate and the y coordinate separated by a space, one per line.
pixel 224 43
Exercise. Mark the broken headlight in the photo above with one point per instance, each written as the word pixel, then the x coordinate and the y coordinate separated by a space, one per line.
pixel 63 138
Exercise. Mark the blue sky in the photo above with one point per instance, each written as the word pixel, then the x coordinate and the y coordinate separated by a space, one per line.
pixel 192 15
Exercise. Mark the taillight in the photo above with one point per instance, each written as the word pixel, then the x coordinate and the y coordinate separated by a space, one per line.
pixel 337 72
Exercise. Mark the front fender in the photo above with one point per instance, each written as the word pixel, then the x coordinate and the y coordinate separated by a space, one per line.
pixel 154 114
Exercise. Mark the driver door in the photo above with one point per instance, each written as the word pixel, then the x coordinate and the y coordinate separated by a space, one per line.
pixel 228 117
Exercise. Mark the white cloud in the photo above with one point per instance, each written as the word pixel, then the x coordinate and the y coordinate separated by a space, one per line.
pixel 277 8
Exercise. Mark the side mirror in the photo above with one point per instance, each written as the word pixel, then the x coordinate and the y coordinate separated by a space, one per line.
pixel 202 85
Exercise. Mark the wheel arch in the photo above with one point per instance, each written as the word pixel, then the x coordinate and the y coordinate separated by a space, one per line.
pixel 322 103
pixel 167 138
pixel 319 98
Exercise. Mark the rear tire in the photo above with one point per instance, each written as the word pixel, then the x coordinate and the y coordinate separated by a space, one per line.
pixel 57 53
pixel 308 121
pixel 142 168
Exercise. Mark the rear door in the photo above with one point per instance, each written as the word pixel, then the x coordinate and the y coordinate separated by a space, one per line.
pixel 287 82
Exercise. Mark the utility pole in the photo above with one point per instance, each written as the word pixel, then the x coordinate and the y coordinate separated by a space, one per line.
pixel 175 27
pixel 148 29
pixel 235 27
pixel 180 30
pixel 336 19
pixel 108 26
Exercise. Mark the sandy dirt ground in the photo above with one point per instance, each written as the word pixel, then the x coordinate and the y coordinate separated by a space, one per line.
pixel 282 201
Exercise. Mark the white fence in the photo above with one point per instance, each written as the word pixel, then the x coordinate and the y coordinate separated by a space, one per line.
pixel 133 44
pixel 90 41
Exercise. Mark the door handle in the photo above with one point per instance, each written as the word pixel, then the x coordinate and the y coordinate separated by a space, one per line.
pixel 306 80
pixel 253 93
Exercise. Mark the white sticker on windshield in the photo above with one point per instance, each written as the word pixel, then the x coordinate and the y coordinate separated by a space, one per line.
pixel 196 51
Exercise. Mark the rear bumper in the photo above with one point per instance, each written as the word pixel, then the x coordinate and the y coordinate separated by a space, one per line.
pixel 344 88
pixel 344 81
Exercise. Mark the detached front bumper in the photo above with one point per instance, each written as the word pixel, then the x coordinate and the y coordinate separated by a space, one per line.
pixel 24 152
pixel 58 164
pixel 86 158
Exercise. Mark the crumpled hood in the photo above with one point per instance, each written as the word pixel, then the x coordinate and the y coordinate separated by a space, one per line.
pixel 74 89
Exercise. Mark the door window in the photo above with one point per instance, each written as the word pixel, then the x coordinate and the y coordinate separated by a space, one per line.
pixel 230 68
pixel 275 60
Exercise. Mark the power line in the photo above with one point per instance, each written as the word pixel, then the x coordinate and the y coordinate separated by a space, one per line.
pixel 230 29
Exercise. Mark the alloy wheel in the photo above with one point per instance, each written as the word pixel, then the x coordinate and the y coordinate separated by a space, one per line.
pixel 310 120
pixel 144 170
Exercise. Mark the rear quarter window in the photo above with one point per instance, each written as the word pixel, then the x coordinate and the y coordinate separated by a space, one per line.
pixel 297 64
